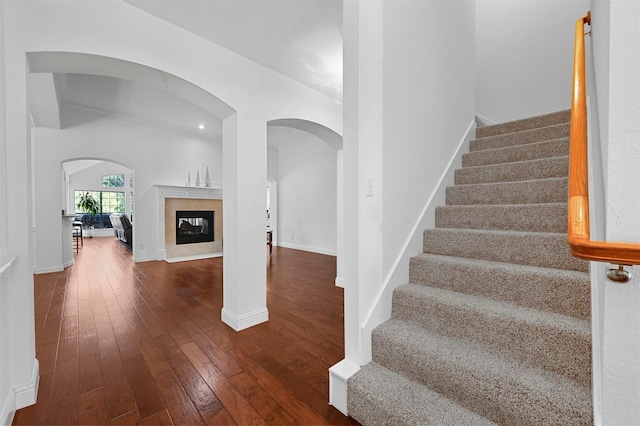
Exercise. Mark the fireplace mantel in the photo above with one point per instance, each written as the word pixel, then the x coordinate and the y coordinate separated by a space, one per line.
pixel 172 191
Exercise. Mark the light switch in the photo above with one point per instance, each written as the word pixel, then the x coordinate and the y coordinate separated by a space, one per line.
pixel 369 188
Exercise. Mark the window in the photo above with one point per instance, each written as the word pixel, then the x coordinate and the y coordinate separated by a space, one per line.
pixel 113 181
pixel 110 202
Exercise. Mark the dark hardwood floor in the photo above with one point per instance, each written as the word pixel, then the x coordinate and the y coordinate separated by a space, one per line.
pixel 125 343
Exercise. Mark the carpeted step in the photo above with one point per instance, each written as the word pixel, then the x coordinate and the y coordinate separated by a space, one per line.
pixel 554 290
pixel 539 191
pixel 548 217
pixel 510 154
pixel 543 168
pixel 548 250
pixel 496 387
pixel 525 124
pixel 523 334
pixel 556 131
pixel 378 396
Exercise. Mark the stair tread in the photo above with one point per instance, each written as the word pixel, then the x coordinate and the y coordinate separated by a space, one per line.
pixel 545 249
pixel 564 273
pixel 508 310
pixel 466 371
pixel 501 327
pixel 539 134
pixel 532 191
pixel 516 153
pixel 398 400
pixel 541 168
pixel 538 217
pixel 544 120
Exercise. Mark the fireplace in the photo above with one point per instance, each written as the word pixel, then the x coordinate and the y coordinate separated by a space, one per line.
pixel 194 226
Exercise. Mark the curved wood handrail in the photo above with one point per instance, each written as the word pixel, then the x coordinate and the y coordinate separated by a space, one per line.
pixel 579 237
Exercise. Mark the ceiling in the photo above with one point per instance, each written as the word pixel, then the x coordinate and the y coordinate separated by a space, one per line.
pixel 298 38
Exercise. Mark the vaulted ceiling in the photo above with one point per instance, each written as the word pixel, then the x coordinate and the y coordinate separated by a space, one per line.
pixel 298 38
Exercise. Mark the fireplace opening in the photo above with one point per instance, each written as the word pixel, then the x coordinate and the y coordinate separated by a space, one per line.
pixel 194 226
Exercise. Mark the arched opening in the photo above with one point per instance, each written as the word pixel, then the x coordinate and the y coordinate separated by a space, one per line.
pixel 304 166
pixel 112 186
pixel 126 113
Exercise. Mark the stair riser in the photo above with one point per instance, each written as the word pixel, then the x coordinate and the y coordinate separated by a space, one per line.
pixel 495 394
pixel 525 124
pixel 526 339
pixel 546 250
pixel 522 217
pixel 563 292
pixel 535 151
pixel 524 192
pixel 512 172
pixel 528 136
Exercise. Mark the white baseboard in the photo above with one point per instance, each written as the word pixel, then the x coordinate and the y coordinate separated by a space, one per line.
pixel 8 410
pixel 194 257
pixel 340 282
pixel 21 397
pixel 338 376
pixel 308 248
pixel 26 395
pixel 240 322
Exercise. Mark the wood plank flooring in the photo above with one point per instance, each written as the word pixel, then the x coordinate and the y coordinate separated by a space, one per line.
pixel 124 343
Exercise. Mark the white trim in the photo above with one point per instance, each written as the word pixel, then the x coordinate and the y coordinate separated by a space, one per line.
pixel 339 374
pixel 28 394
pixel 484 120
pixel 440 188
pixel 240 322
pixel 162 254
pixel 340 282
pixel 307 248
pixel 21 397
pixel 8 410
pixel 174 191
pixel 5 263
pixel 194 257
pixel 143 259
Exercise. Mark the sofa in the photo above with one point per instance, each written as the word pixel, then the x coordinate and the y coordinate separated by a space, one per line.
pixel 122 227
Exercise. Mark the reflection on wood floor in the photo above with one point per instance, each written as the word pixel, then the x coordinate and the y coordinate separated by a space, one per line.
pixel 142 343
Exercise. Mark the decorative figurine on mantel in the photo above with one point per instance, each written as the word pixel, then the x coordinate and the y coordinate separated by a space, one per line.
pixel 207 179
pixel 197 177
pixel 188 179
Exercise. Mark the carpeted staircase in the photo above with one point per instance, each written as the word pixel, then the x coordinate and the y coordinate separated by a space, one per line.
pixel 494 324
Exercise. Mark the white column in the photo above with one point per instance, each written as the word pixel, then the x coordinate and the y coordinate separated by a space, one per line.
pixel 244 153
pixel 362 174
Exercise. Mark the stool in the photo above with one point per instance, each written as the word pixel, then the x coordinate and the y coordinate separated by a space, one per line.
pixel 77 236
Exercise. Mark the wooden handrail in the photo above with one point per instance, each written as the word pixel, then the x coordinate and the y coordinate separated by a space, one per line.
pixel 579 238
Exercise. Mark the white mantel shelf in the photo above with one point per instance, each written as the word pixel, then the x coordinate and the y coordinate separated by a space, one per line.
pixel 171 191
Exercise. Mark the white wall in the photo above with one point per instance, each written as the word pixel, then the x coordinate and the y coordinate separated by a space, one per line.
pixel 409 102
pixel 18 366
pixel 307 180
pixel 524 52
pixel 157 157
pixel 621 340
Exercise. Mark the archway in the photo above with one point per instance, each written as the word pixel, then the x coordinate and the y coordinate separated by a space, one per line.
pixel 111 184
pixel 308 177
